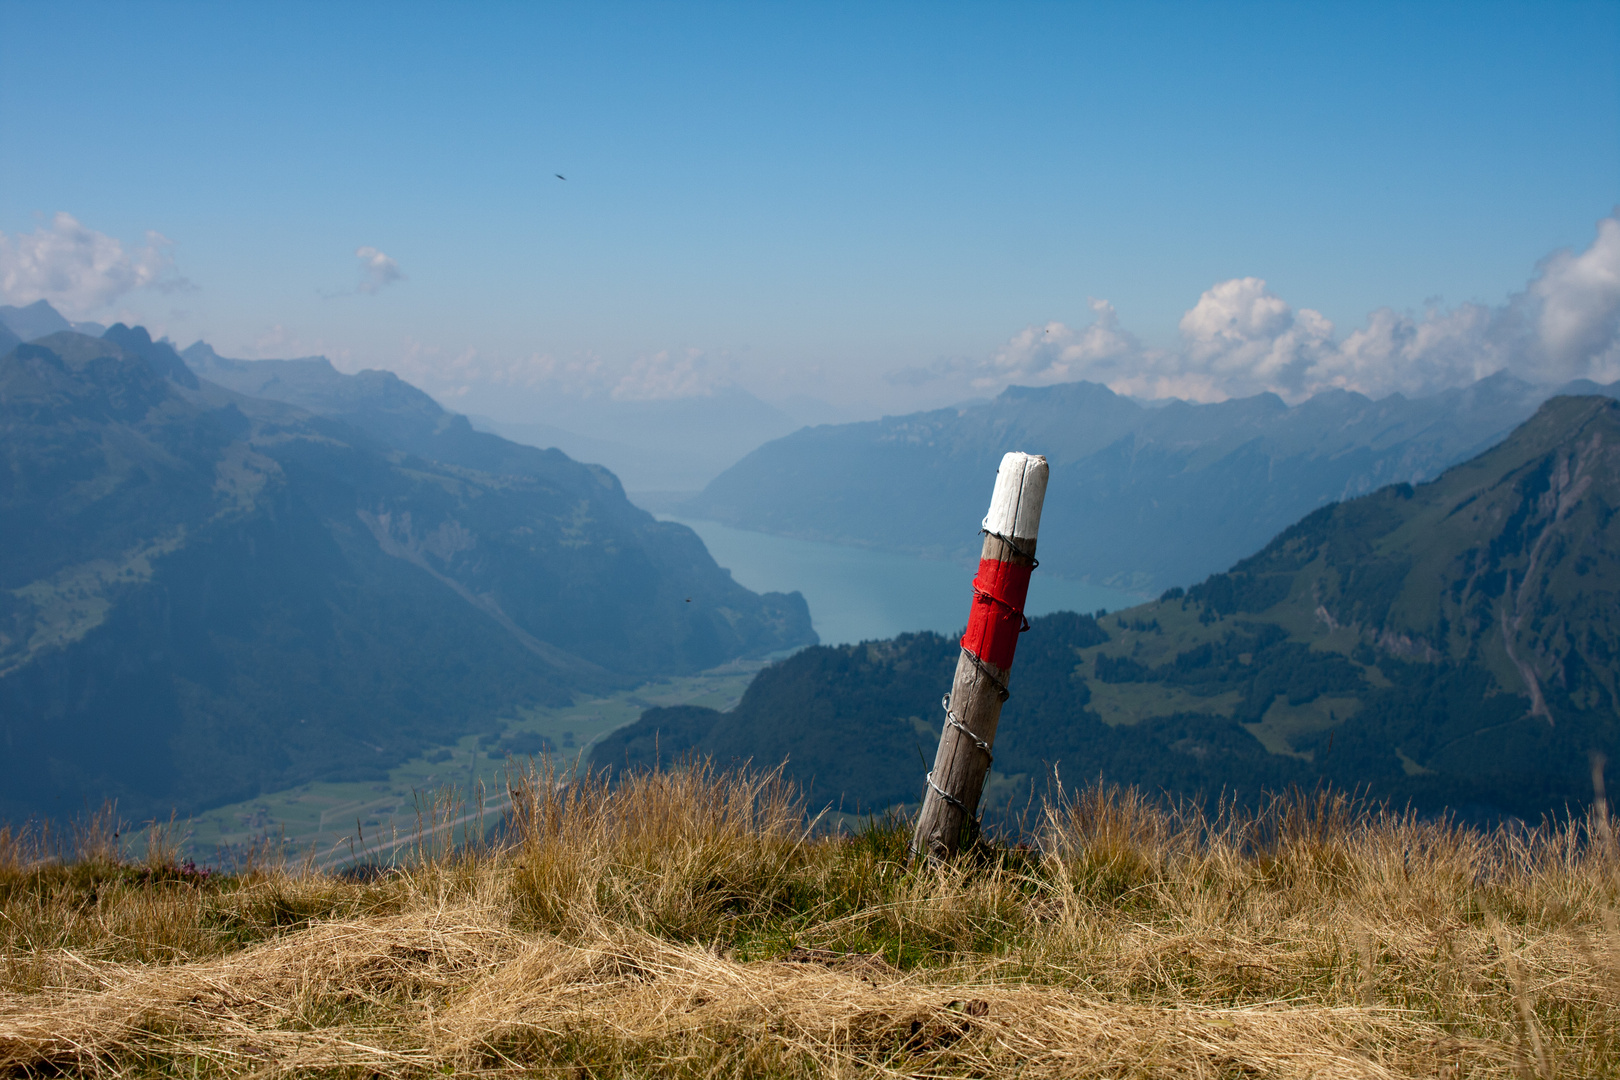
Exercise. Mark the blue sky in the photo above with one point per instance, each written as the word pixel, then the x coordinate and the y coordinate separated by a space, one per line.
pixel 865 203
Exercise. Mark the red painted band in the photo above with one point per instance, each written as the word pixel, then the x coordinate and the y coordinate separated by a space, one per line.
pixel 998 611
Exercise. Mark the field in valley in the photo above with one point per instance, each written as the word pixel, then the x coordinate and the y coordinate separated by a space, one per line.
pixel 340 822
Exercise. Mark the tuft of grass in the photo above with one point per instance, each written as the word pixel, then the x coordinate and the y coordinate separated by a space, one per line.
pixel 699 922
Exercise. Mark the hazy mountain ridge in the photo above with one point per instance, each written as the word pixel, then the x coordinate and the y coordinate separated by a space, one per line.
pixel 384 406
pixel 205 593
pixel 1452 644
pixel 652 445
pixel 39 319
pixel 313 384
pixel 1141 498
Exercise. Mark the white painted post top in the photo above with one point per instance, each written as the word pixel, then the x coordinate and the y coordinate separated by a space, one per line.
pixel 1015 507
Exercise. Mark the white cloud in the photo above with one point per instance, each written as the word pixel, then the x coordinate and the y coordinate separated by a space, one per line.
pixel 1233 316
pixel 279 343
pixel 1056 353
pixel 1397 353
pixel 664 375
pixel 275 343
pixel 377 271
pixel 454 374
pixel 1242 332
pixel 79 270
pixel 1240 338
pixel 1580 305
pixel 435 368
pixel 581 376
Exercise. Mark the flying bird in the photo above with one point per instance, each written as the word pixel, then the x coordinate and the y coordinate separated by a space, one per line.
pixel 559 176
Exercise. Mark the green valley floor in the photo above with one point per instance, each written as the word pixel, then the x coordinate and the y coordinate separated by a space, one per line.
pixel 337 823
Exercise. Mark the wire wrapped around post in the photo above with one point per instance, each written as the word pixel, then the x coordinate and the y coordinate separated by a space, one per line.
pixel 973 707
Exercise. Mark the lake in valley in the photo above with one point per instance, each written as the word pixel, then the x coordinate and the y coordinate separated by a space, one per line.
pixel 858 594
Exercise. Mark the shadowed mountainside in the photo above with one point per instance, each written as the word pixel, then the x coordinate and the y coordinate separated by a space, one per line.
pixel 205 594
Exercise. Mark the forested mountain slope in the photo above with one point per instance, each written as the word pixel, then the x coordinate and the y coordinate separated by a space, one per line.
pixel 204 594
pixel 1455 644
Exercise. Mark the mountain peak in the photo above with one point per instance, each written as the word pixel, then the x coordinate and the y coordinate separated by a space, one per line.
pixel 34 320
pixel 199 352
pixel 68 373
pixel 40 319
pixel 159 355
pixel 312 383
pixel 1081 390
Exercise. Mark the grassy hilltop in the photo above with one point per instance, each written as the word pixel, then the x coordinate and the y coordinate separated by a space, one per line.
pixel 684 923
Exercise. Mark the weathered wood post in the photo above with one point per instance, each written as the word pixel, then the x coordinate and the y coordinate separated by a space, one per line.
pixel 951 799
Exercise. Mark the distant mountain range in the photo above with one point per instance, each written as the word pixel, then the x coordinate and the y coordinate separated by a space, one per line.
pixel 661 449
pixel 1142 497
pixel 654 447
pixel 1454 645
pixel 662 445
pixel 217 585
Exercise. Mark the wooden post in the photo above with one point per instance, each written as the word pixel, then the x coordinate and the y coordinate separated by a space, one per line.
pixel 951 799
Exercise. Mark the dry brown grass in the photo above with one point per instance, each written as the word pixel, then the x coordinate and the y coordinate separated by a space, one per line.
pixel 690 923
